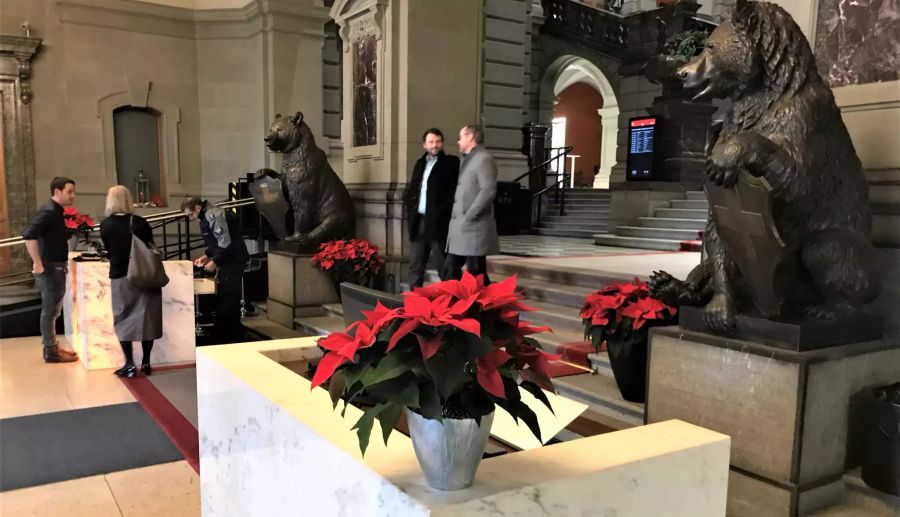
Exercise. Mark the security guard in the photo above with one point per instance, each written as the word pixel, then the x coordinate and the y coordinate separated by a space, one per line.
pixel 225 253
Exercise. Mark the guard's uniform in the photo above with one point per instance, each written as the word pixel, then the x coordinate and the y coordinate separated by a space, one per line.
pixel 226 248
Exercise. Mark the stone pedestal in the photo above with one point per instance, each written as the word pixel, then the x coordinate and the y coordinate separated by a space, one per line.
pixel 297 288
pixel 786 411
pixel 680 144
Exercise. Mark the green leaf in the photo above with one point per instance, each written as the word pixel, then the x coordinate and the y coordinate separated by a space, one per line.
pixel 392 365
pixel 476 402
pixel 525 413
pixel 538 393
pixel 475 346
pixel 447 368
pixel 364 425
pixel 429 402
pixel 389 418
pixel 336 387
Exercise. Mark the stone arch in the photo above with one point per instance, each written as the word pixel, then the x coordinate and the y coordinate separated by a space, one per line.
pixel 568 69
pixel 138 95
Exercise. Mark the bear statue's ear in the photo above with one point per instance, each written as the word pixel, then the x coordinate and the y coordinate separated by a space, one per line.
pixel 740 14
pixel 297 118
pixel 277 116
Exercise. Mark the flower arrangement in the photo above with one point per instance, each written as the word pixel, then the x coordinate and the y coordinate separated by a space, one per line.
pixel 353 258
pixel 77 222
pixel 621 314
pixel 454 350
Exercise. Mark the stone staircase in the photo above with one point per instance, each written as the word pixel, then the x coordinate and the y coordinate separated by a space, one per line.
pixel 677 227
pixel 587 211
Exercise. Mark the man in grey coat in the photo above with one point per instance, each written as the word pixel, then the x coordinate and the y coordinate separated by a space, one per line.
pixel 473 231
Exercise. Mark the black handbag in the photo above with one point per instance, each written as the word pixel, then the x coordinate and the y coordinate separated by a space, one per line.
pixel 145 265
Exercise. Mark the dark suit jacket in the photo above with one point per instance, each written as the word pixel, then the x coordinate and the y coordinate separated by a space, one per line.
pixel 439 202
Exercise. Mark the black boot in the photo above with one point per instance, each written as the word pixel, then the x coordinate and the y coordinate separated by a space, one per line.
pixel 147 346
pixel 128 370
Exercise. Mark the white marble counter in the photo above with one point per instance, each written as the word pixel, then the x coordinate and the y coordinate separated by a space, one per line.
pixel 89 320
pixel 270 446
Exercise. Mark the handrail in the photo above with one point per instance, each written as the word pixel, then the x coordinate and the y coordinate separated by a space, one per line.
pixel 159 217
pixel 546 189
pixel 565 150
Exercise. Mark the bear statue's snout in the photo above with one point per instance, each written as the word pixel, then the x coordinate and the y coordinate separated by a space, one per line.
pixel 681 74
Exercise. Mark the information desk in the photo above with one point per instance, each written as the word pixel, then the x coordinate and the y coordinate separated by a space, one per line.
pixel 89 320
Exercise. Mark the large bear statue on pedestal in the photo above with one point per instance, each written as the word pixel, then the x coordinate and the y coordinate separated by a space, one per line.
pixel 783 127
pixel 322 207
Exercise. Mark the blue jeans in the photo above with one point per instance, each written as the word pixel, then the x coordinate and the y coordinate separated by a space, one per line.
pixel 52 286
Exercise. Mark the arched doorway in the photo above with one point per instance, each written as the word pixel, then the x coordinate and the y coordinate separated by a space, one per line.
pixel 566 71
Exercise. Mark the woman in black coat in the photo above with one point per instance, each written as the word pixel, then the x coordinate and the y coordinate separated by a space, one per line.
pixel 137 311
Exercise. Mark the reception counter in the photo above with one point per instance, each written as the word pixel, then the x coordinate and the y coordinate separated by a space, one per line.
pixel 89 320
pixel 269 445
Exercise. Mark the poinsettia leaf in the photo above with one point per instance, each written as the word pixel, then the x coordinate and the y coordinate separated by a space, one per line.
pixel 538 393
pixel 475 346
pixel 391 389
pixel 364 425
pixel 392 365
pixel 429 402
pixel 326 367
pixel 527 415
pixel 448 369
pixel 336 387
pixel 389 418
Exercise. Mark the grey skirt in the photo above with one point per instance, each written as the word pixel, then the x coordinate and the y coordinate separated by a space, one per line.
pixel 137 313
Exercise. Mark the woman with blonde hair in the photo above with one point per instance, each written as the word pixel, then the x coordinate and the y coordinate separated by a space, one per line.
pixel 137 311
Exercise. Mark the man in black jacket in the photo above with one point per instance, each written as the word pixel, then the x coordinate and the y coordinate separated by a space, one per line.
pixel 429 200
pixel 226 253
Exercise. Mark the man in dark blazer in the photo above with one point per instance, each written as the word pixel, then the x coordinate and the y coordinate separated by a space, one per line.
pixel 429 200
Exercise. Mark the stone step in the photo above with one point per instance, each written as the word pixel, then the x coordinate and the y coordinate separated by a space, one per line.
pixel 601 395
pixel 579 211
pixel 861 500
pixel 657 233
pixel 681 213
pixel 557 317
pixel 667 222
pixel 880 194
pixel 573 219
pixel 588 278
pixel 334 309
pixel 608 239
pixel 691 204
pixel 571 296
pixel 602 196
pixel 577 234
pixel 596 227
pixel 320 325
pixel 696 194
pixel 600 363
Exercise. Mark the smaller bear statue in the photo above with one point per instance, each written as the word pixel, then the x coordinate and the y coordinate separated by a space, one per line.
pixel 785 132
pixel 321 205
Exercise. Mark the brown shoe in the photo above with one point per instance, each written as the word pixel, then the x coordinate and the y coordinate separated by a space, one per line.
pixel 60 356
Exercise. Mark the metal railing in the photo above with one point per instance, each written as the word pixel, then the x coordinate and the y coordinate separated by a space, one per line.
pixel 558 187
pixel 172 227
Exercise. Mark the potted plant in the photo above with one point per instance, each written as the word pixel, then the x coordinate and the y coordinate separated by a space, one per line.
pixel 676 52
pixel 78 226
pixel 353 260
pixel 621 315
pixel 453 351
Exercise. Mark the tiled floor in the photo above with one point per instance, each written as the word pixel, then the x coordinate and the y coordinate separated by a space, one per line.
pixel 28 386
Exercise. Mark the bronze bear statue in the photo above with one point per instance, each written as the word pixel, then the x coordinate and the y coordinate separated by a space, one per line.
pixel 322 207
pixel 783 126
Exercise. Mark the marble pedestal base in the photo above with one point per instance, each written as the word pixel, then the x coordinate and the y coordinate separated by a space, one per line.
pixel 786 411
pixel 89 319
pixel 297 288
pixel 269 445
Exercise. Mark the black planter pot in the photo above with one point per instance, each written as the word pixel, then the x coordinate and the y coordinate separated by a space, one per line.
pixel 631 372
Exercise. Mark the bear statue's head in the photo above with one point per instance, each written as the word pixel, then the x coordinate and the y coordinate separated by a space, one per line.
pixel 287 133
pixel 760 46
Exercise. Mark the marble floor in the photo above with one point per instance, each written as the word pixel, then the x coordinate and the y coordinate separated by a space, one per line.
pixel 28 386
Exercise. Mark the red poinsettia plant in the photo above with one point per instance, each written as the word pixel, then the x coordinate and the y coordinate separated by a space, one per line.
pixel 357 258
pixel 621 315
pixel 77 222
pixel 453 350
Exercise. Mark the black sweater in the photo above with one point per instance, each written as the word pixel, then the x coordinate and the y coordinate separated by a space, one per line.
pixel 116 235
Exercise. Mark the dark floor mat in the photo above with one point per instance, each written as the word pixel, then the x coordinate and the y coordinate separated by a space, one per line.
pixel 51 447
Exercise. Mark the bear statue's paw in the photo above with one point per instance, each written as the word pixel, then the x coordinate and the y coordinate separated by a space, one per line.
pixel 720 313
pixel 830 311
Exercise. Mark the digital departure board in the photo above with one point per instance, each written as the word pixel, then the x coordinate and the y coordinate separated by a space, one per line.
pixel 639 164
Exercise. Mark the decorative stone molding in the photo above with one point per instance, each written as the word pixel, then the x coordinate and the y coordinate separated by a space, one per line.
pixel 358 19
pixel 16 54
pixel 139 95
